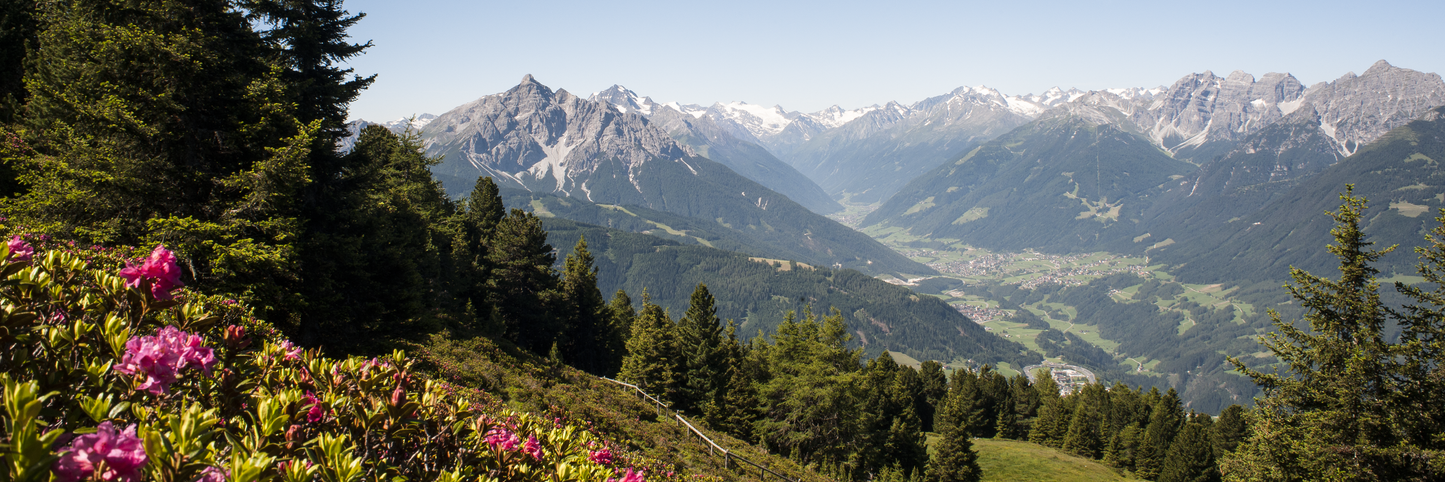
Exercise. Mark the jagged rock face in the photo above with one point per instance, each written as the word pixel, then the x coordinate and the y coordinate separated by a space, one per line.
pixel 540 140
pixel 706 137
pixel 1355 110
pixel 1202 108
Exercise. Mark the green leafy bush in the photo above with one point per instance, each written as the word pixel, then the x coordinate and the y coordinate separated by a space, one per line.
pixel 116 374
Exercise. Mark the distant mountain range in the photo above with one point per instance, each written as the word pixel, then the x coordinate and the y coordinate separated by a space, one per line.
pixel 533 138
pixel 1165 173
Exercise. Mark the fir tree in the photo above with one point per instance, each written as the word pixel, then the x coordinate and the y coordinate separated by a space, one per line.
pixel 619 324
pixel 1190 457
pixel 699 336
pixel 1165 420
pixel 736 408
pixel 935 388
pixel 1228 431
pixel 523 284
pixel 652 358
pixel 1083 437
pixel 954 459
pixel 1349 405
pixel 586 316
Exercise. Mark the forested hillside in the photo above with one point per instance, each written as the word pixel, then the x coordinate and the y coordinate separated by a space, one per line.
pixel 1400 176
pixel 758 294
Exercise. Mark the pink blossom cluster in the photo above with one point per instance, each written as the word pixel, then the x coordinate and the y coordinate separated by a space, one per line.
pixel 603 457
pixel 119 455
pixel 20 251
pixel 212 474
pixel 630 476
pixel 160 268
pixel 289 351
pixel 317 412
pixel 163 356
pixel 532 447
pixel 503 439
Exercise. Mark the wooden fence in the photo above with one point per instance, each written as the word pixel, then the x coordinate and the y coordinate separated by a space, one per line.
pixel 713 448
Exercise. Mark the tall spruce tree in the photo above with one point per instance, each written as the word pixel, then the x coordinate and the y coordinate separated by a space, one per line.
pixel 388 249
pixel 652 357
pixel 1190 457
pixel 1165 421
pixel 954 459
pixel 1084 437
pixel 699 339
pixel 132 146
pixel 585 314
pixel 737 405
pixel 523 284
pixel 1228 431
pixel 619 324
pixel 935 388
pixel 1349 405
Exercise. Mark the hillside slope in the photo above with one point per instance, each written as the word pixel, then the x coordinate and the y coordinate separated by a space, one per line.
pixel 1400 174
pixel 757 293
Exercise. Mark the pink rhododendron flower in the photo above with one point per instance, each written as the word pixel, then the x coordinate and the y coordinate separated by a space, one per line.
pixel 212 474
pixel 532 447
pixel 161 357
pixel 317 411
pixel 290 351
pixel 603 456
pixel 119 455
pixel 20 251
pixel 503 439
pixel 160 268
pixel 631 476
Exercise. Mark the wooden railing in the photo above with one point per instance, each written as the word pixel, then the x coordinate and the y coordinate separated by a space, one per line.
pixel 713 449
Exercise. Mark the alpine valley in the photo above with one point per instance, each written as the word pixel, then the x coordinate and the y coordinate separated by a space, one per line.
pixel 1195 199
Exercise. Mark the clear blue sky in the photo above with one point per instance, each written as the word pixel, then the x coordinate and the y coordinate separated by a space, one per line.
pixel 433 55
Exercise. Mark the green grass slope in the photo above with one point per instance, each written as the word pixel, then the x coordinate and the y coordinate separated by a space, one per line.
pixel 527 383
pixel 1013 461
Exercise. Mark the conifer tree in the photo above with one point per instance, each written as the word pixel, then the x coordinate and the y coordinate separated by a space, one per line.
pixel 1083 437
pixel 1349 405
pixel 1123 447
pixel 935 388
pixel 954 459
pixel 699 337
pixel 1190 457
pixel 1165 421
pixel 652 358
pixel 523 284
pixel 619 322
pixel 1228 431
pixel 584 338
pixel 737 407
pixel 132 146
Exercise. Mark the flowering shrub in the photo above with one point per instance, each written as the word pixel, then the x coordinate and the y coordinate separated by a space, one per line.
pixel 124 376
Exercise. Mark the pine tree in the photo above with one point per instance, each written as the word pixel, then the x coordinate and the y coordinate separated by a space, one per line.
pixel 1165 421
pixel 619 324
pixel 737 408
pixel 523 284
pixel 935 388
pixel 586 316
pixel 699 336
pixel 1228 431
pixel 1190 457
pixel 309 39
pixel 652 359
pixel 1083 437
pixel 1349 405
pixel 954 459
